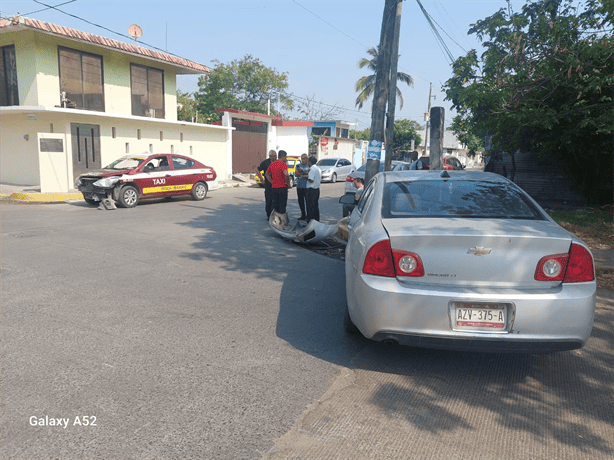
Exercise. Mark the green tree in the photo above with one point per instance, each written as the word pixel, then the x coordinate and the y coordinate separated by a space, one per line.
pixel 363 135
pixel 186 106
pixel 366 85
pixel 244 84
pixel 404 132
pixel 543 84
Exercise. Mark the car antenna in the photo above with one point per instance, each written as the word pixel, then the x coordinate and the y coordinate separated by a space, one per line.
pixel 445 174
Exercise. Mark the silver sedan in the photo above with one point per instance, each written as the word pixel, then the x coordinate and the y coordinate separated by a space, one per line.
pixel 466 261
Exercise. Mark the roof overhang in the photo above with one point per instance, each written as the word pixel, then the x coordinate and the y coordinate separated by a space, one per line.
pixel 16 109
pixel 182 66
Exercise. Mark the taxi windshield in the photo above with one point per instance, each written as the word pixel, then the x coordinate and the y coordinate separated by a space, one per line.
pixel 126 163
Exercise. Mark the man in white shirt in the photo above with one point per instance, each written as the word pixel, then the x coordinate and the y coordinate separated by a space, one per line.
pixel 313 190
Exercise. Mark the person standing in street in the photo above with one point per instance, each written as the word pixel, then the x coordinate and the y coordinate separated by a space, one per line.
pixel 268 187
pixel 301 173
pixel 277 174
pixel 313 190
pixel 359 184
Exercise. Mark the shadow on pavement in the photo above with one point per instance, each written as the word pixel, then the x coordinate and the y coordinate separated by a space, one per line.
pixel 554 396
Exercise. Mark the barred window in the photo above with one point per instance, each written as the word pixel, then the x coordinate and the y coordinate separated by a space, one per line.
pixel 81 80
pixel 147 91
pixel 8 76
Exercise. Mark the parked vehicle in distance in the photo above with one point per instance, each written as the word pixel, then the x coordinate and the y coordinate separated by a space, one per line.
pixel 291 162
pixel 335 168
pixel 464 261
pixel 132 177
pixel 448 164
pixel 360 172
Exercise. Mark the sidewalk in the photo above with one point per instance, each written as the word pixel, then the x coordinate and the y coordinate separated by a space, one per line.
pixel 32 193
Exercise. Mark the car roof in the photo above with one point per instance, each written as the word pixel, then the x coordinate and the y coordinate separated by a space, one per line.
pixel 399 176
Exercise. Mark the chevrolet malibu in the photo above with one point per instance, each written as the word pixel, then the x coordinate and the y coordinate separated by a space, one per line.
pixel 133 177
pixel 464 261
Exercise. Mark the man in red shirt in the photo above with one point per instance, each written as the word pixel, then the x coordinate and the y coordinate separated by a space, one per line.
pixel 277 174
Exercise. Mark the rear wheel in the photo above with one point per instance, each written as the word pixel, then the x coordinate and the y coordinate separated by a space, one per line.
pixel 348 325
pixel 128 196
pixel 333 178
pixel 199 192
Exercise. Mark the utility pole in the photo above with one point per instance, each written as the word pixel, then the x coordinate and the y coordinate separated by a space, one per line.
pixel 392 91
pixel 427 115
pixel 378 111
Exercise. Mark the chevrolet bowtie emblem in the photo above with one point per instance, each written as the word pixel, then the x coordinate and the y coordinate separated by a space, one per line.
pixel 479 251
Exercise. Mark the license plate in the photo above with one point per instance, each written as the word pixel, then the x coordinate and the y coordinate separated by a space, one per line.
pixel 482 316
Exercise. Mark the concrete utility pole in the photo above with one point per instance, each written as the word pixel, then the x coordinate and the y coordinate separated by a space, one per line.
pixel 427 115
pixel 437 133
pixel 392 93
pixel 374 151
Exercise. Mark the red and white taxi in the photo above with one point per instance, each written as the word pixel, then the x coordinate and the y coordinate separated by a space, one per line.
pixel 133 177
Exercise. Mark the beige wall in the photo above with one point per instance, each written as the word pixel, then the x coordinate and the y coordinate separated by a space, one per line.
pixel 345 149
pixel 19 159
pixel 38 72
pixel 18 156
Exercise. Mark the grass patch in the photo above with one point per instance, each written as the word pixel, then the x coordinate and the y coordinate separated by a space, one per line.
pixel 594 226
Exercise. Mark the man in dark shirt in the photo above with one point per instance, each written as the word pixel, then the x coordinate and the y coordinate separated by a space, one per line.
pixel 268 187
pixel 277 174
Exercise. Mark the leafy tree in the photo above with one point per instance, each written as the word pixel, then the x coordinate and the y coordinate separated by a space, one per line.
pixel 186 106
pixel 544 84
pixel 366 85
pixel 244 84
pixel 363 135
pixel 404 132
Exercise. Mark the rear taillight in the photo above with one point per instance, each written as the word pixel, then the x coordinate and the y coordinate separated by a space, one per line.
pixel 579 266
pixel 379 260
pixel 349 179
pixel 382 260
pixel 575 267
pixel 407 263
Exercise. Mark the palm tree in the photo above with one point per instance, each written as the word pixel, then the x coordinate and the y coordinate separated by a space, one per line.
pixel 366 85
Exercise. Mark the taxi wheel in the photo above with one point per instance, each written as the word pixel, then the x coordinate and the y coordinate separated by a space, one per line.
pixel 199 192
pixel 292 182
pixel 128 197
pixel 333 178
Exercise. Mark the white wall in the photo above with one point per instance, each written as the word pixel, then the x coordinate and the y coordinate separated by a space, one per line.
pixel 19 161
pixel 292 139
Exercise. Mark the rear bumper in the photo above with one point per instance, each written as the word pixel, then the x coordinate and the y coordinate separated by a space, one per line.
pixel 480 344
pixel 540 321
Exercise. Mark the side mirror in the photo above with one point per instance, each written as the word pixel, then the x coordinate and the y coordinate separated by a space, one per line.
pixel 348 198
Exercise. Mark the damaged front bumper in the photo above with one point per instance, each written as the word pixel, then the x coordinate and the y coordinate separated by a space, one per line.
pixel 300 232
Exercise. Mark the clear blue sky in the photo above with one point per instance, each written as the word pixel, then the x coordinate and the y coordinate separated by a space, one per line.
pixel 316 42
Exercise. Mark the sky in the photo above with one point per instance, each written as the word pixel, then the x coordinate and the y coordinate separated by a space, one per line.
pixel 318 43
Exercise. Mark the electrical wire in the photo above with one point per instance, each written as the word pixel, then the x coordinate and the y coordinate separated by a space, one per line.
pixel 48 8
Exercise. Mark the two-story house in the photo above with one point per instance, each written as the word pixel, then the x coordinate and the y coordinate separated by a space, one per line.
pixel 71 101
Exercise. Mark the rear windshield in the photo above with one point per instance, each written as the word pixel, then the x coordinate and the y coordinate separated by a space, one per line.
pixel 440 198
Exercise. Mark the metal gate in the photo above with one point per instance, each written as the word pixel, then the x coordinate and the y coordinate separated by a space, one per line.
pixel 85 148
pixel 248 145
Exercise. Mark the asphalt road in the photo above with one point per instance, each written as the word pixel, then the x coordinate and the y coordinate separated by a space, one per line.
pixel 190 329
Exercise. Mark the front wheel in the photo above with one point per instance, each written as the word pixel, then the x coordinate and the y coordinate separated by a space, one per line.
pixel 292 182
pixel 128 196
pixel 333 178
pixel 91 201
pixel 199 192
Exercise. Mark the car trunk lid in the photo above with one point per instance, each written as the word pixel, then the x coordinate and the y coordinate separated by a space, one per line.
pixel 493 252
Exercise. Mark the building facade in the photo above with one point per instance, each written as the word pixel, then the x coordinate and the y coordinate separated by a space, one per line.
pixel 71 101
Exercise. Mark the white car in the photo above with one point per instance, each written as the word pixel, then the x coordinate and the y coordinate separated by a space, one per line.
pixel 335 168
pixel 361 172
pixel 465 261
